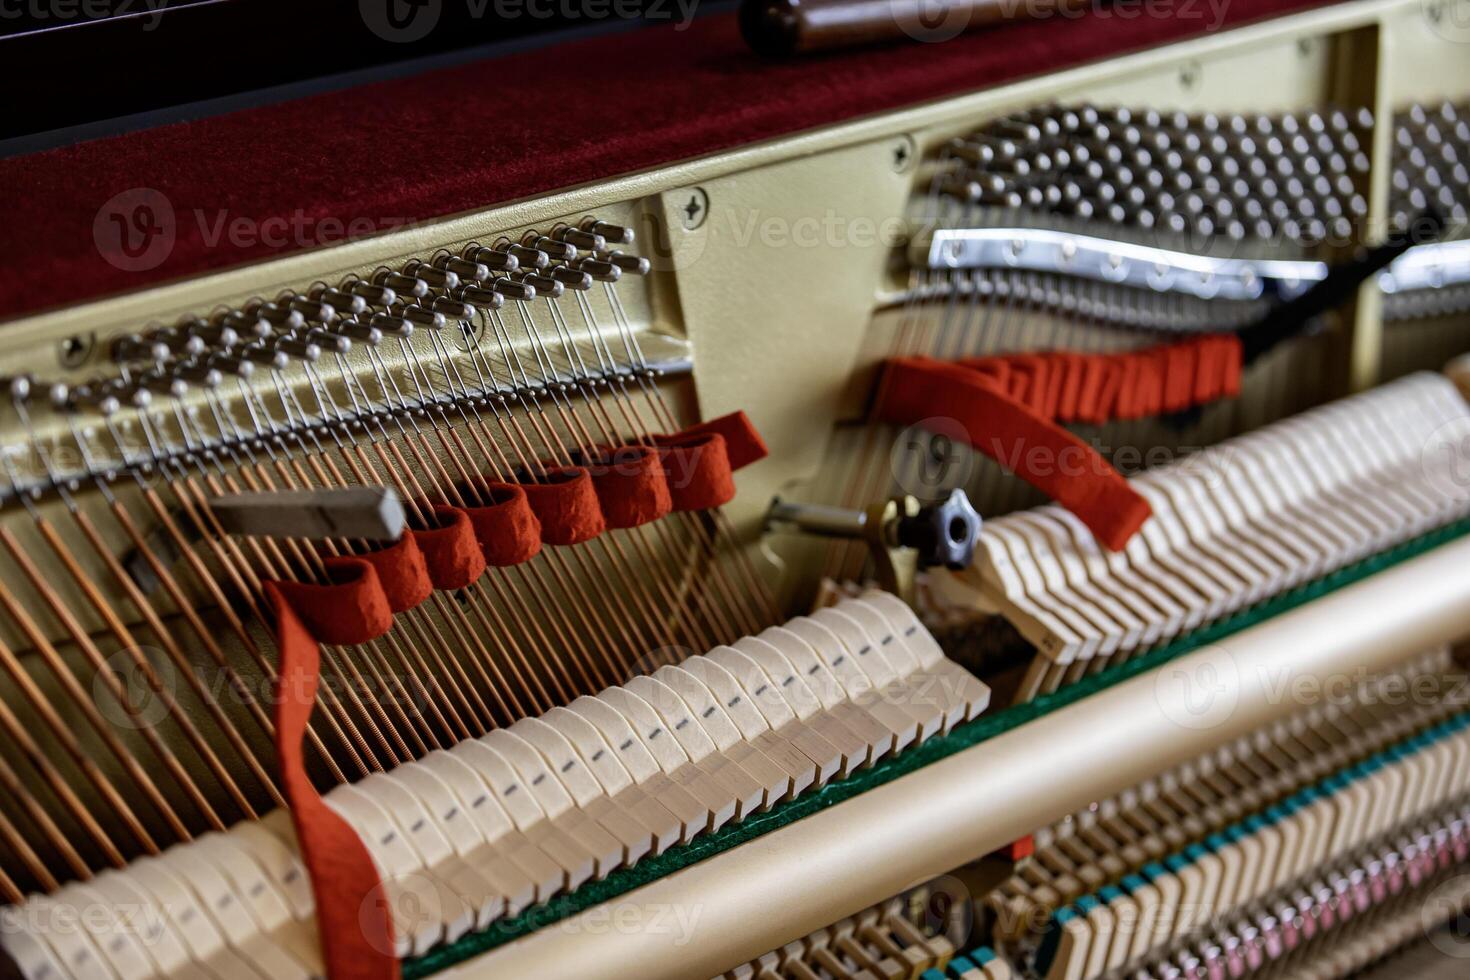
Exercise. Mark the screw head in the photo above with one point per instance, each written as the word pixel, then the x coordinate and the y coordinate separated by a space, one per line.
pixel 693 207
pixel 75 350
pixel 904 155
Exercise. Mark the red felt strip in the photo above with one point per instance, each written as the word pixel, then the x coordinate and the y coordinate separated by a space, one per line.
pixel 351 908
pixel 743 444
pixel 698 468
pixel 631 486
pixel 1232 361
pixel 506 528
pixel 401 571
pixel 566 505
pixel 1038 450
pixel 1069 399
pixel 1179 373
pixel 452 554
pixel 353 609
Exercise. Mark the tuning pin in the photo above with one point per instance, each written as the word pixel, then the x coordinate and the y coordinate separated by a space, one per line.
pixel 342 302
pixel 277 315
pixel 466 269
pixel 18 386
pixel 104 397
pixel 376 294
pixel 578 238
pixel 612 234
pixel 357 330
pixel 419 316
pixel 329 342
pixel 458 309
pixel 634 264
pixel 134 348
pixel 299 348
pixel 598 269
pixel 267 357
pixel 438 278
pixel 513 289
pixel 544 286
pixel 248 326
pixel 392 326
pixel 481 297
pixel 498 259
pixel 22 387
pixel 401 284
pixel 537 251
pixel 217 334
pixel 199 373
pixel 572 278
pixel 232 364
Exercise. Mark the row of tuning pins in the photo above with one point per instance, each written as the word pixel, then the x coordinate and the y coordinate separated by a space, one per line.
pixel 1292 177
pixel 1431 163
pixel 324 320
pixel 1119 306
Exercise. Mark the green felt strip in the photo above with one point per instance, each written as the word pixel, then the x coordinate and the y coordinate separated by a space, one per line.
pixel 890 768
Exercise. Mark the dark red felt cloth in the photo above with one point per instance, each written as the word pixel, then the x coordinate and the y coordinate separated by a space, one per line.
pixel 566 505
pixel 507 529
pixel 402 573
pixel 451 552
pixel 698 468
pixel 353 609
pixel 452 140
pixel 743 444
pixel 351 909
pixel 631 486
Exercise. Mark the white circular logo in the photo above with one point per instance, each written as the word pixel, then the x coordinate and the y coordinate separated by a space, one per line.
pixel 1450 19
pixel 400 21
pixel 135 230
pixel 931 458
pixel 930 21
pixel 1446 459
pixel 1200 692
pixel 408 901
pixel 1445 919
pixel 137 704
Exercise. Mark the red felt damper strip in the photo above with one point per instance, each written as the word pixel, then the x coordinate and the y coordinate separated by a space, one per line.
pixel 743 444
pixel 1232 361
pixel 506 527
pixel 1038 450
pixel 401 571
pixel 566 505
pixel 1149 388
pixel 1072 369
pixel 698 471
pixel 1095 374
pixel 1180 372
pixel 451 552
pixel 632 488
pixel 351 909
pixel 352 609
